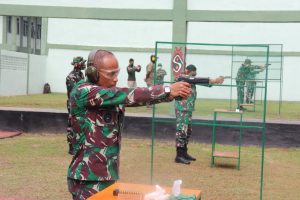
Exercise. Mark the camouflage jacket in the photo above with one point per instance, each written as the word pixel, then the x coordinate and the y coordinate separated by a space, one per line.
pixel 74 77
pixel 189 103
pixel 97 121
pixel 160 74
pixel 247 72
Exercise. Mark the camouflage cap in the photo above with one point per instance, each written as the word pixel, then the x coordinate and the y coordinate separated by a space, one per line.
pixel 78 59
pixel 248 61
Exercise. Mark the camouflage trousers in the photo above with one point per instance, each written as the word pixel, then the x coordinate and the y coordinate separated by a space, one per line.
pixel 82 190
pixel 240 92
pixel 251 85
pixel 183 127
pixel 70 134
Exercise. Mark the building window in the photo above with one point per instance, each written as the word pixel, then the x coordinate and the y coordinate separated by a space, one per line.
pixel 9 22
pixel 25 28
pixel 32 30
pixel 38 31
pixel 18 25
pixel 27 33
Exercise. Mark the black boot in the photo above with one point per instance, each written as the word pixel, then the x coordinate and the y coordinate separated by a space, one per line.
pixel 180 156
pixel 187 156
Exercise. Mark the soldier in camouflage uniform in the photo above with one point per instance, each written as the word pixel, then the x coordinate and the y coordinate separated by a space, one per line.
pixel 246 76
pixel 74 76
pixel 97 108
pixel 183 111
pixel 251 82
pixel 160 74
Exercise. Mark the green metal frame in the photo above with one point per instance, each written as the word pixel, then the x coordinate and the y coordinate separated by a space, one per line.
pixel 280 79
pixel 242 125
pixel 213 146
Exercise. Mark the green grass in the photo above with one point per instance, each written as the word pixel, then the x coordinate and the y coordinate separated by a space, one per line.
pixel 54 100
pixel 34 166
pixel 204 107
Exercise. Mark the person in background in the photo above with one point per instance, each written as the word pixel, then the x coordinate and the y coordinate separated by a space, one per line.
pixel 131 69
pixel 160 74
pixel 71 80
pixel 183 111
pixel 149 79
pixel 246 76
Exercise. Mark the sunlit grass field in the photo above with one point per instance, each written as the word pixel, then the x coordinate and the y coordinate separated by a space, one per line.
pixel 204 107
pixel 34 166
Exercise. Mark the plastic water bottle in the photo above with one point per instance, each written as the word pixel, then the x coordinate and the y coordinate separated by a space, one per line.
pixel 176 187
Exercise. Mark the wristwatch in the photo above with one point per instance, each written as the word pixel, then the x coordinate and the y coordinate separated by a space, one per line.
pixel 167 90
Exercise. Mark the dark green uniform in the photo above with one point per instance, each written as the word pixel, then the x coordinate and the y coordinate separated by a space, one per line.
pixel 97 121
pixel 183 112
pixel 160 74
pixel 251 83
pixel 246 78
pixel 74 77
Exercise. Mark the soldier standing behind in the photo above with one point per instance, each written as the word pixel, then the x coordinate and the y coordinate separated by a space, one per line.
pixel 150 71
pixel 183 111
pixel 98 108
pixel 131 69
pixel 160 74
pixel 74 76
pixel 246 73
pixel 240 82
pixel 251 81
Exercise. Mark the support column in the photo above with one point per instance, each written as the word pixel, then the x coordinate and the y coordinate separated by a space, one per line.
pixel 179 21
pixel 13 45
pixel 4 31
pixel 44 33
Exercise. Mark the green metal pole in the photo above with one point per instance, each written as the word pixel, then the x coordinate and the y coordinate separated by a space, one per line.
pixel 153 124
pixel 240 139
pixel 264 131
pixel 213 140
pixel 280 81
pixel 231 75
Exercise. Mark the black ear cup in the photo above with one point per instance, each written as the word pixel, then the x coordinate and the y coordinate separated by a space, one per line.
pixel 92 74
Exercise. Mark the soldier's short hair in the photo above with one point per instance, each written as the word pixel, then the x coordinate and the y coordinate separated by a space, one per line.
pixel 131 59
pixel 191 68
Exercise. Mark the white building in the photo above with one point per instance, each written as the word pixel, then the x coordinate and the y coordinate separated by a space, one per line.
pixel 51 33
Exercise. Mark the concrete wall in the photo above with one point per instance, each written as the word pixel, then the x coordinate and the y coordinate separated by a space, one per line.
pixel 137 38
pixel 37 73
pixel 245 33
pixel 58 66
pixel 21 73
pixel 136 4
pixel 112 33
pixel 1 29
pixel 257 33
pixel 13 73
pixel 109 33
pixel 37 122
pixel 243 5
